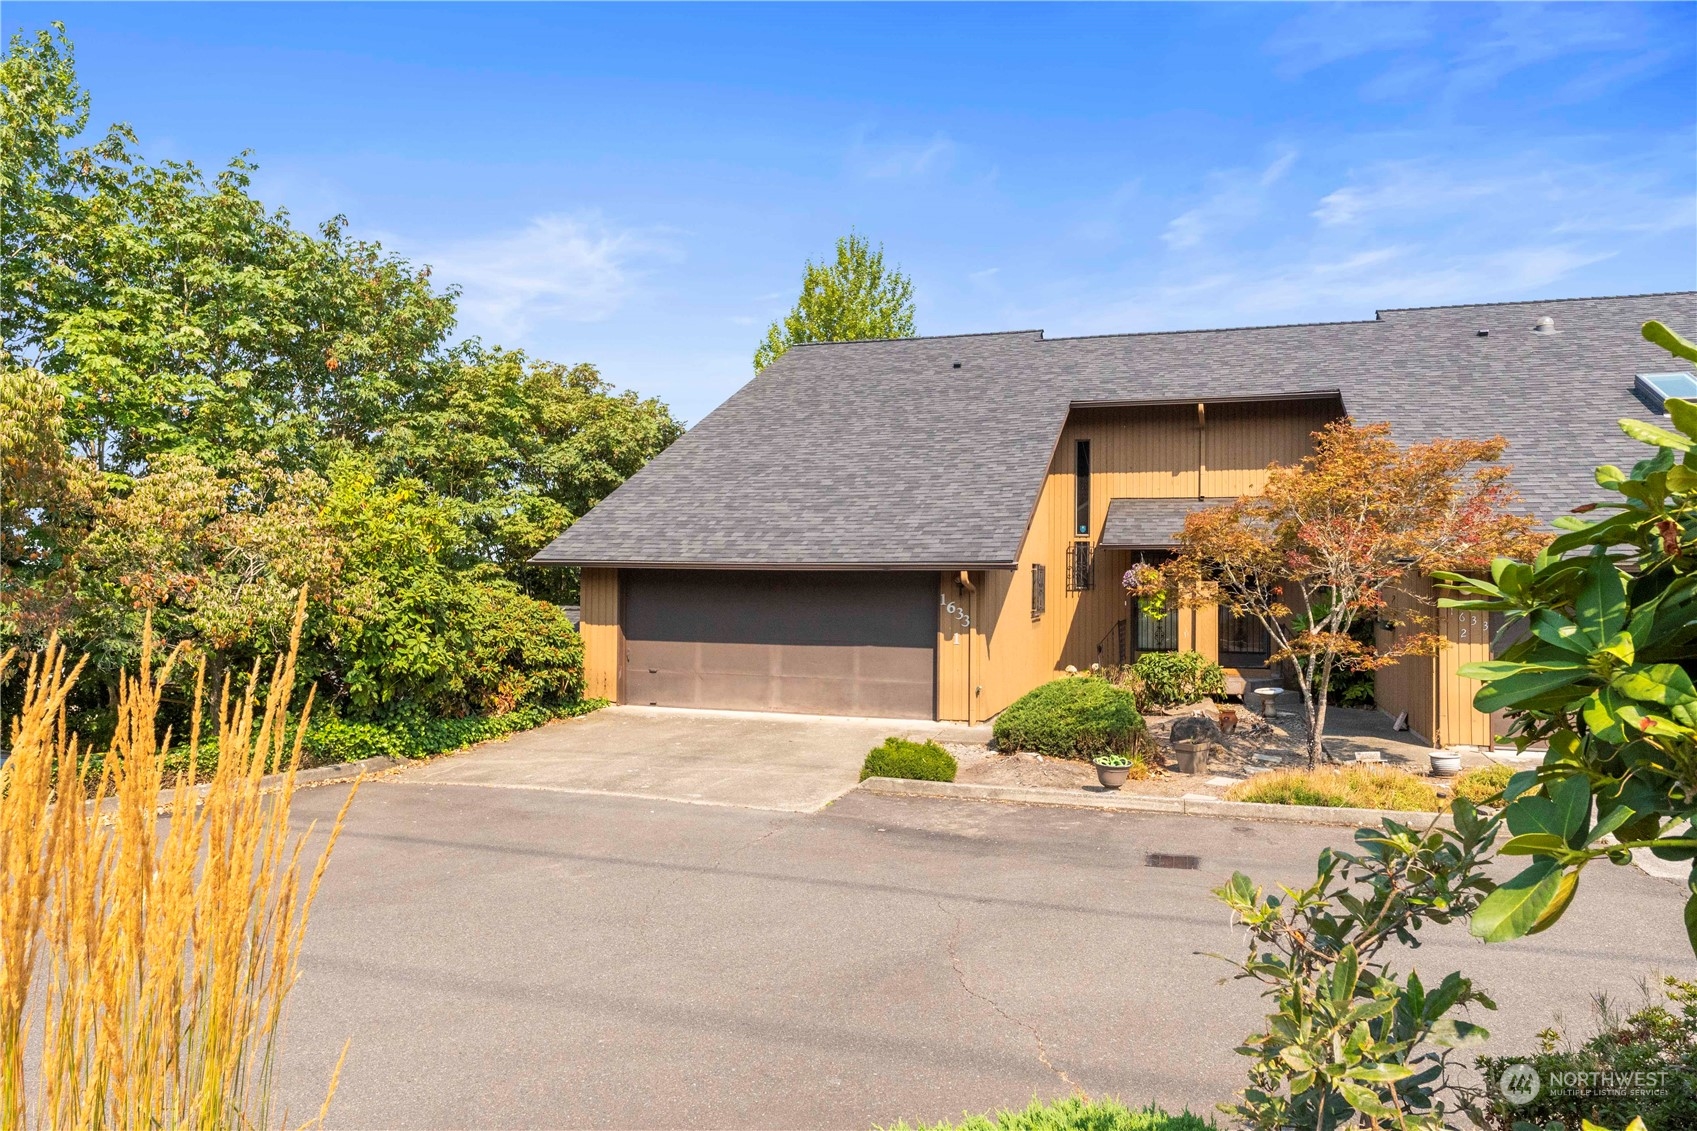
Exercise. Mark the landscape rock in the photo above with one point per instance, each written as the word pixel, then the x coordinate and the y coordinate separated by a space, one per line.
pixel 1196 728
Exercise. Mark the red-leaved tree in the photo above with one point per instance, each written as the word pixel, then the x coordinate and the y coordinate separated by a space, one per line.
pixel 1315 553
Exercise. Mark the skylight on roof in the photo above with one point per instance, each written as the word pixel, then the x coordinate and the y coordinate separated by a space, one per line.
pixel 1655 389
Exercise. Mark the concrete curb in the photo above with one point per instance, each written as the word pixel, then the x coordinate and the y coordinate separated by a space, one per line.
pixel 340 771
pixel 1190 805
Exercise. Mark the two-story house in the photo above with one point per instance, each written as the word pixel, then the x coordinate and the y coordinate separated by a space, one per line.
pixel 931 527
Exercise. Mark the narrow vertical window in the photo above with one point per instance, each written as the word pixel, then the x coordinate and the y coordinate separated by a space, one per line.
pixel 1081 487
pixel 1039 591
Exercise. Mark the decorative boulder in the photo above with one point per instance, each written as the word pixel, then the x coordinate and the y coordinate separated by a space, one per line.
pixel 1196 728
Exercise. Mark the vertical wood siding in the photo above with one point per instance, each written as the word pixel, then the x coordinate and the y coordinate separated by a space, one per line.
pixel 1150 452
pixel 1467 639
pixel 1407 685
pixel 1438 701
pixel 603 651
pixel 1241 440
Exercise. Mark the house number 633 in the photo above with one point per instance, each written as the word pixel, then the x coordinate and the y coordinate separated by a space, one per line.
pixel 957 612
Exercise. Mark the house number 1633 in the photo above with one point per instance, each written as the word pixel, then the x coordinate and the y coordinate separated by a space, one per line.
pixel 957 612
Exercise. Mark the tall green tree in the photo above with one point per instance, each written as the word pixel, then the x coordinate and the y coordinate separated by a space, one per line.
pixel 852 299
pixel 204 408
pixel 528 447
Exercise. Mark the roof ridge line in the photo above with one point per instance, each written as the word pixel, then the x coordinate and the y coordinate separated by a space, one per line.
pixel 1534 301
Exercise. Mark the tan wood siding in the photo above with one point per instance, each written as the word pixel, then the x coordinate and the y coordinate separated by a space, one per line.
pixel 1407 685
pixel 1241 440
pixel 1154 451
pixel 603 652
pixel 1467 639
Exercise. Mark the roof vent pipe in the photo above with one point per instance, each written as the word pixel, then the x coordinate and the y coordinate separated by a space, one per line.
pixel 1545 325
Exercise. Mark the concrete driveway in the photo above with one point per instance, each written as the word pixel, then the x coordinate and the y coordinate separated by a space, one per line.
pixel 530 958
pixel 792 763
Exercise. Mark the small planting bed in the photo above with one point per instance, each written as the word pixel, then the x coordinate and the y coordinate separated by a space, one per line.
pixel 1342 787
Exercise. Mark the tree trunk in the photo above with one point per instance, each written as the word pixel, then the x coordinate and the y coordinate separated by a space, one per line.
pixel 1316 713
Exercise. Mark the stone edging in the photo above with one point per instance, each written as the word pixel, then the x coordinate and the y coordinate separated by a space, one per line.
pixel 1190 805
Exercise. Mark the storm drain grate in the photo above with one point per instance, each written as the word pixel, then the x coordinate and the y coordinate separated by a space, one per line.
pixel 1168 860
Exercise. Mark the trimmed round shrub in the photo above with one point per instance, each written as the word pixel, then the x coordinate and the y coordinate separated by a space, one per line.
pixel 1175 679
pixel 919 761
pixel 1071 718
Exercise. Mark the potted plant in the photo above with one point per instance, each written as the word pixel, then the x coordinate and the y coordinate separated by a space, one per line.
pixel 1445 763
pixel 1112 770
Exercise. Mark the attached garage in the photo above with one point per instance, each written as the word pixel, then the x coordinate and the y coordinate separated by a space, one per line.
pixel 814 642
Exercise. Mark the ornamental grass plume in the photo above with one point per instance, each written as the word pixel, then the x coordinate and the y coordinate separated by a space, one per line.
pixel 149 938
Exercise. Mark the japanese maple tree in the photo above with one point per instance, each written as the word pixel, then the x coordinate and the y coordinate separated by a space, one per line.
pixel 1319 550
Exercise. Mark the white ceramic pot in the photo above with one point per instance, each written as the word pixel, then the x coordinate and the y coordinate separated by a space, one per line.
pixel 1445 764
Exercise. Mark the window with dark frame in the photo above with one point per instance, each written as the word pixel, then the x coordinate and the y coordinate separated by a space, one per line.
pixel 1081 488
pixel 1039 591
pixel 1079 567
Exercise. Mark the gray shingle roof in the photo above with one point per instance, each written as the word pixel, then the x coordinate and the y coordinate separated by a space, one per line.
pixel 1143 524
pixel 885 454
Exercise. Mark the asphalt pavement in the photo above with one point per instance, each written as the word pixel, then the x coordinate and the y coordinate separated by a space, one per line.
pixel 521 957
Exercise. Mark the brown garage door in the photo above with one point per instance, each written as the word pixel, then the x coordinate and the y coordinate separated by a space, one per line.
pixel 815 642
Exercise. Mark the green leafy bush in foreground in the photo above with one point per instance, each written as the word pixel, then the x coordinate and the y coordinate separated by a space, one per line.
pixel 1071 718
pixel 918 761
pixel 1653 1050
pixel 1072 1114
pixel 1176 679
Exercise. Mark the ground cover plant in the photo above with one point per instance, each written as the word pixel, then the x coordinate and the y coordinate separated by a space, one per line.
pixel 1346 787
pixel 1640 1064
pixel 205 408
pixel 148 950
pixel 1074 1113
pixel 1077 717
pixel 1484 785
pixel 900 758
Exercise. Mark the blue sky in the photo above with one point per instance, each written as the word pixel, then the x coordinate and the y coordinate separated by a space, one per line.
pixel 638 186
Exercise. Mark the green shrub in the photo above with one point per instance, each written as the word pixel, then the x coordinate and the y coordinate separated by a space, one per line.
pixel 918 761
pixel 1350 787
pixel 1074 1113
pixel 1173 679
pixel 1071 718
pixel 411 734
pixel 1660 1038
pixel 1484 783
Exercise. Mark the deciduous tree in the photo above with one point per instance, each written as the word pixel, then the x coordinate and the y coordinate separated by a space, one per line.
pixel 1328 538
pixel 852 299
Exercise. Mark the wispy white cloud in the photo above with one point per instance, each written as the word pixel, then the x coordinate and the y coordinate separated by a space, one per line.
pixel 903 159
pixel 564 268
pixel 1235 198
pixel 1431 230
pixel 1602 45
pixel 1333 32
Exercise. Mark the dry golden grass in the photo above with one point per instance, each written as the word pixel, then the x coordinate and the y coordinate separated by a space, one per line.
pixel 146 950
pixel 1351 787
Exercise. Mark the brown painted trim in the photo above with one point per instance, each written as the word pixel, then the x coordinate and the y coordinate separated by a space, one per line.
pixel 1310 395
